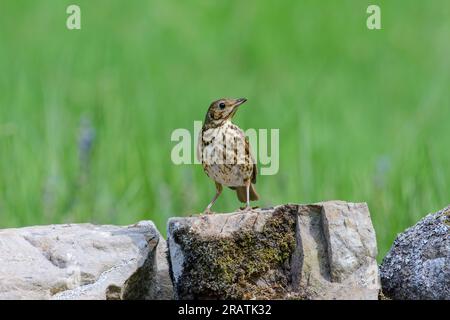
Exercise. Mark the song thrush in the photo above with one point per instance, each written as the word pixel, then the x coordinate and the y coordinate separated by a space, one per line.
pixel 225 152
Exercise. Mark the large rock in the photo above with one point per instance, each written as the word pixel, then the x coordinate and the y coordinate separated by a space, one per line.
pixel 418 264
pixel 321 251
pixel 84 261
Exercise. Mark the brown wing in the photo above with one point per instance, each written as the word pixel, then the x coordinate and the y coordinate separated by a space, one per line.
pixel 249 151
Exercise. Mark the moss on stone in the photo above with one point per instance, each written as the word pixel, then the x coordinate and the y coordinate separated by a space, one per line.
pixel 382 296
pixel 244 265
pixel 447 219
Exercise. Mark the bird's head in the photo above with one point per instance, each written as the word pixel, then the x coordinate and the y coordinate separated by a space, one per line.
pixel 222 110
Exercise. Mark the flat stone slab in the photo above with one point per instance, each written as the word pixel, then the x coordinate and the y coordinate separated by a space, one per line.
pixel 84 261
pixel 319 251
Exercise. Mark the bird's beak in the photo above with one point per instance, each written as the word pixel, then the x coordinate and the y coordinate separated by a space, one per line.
pixel 239 102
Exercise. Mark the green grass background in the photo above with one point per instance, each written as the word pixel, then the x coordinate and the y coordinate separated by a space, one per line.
pixel 363 115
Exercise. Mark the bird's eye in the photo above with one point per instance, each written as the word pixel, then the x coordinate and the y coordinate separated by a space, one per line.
pixel 222 105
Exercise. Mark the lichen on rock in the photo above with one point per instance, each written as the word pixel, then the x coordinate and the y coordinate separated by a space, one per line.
pixel 287 252
pixel 234 266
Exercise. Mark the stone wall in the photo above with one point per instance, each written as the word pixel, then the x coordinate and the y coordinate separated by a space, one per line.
pixel 319 251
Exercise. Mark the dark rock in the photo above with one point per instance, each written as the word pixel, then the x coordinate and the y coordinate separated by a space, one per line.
pixel 418 264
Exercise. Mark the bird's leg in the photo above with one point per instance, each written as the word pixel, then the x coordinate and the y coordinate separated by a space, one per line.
pixel 218 192
pixel 247 189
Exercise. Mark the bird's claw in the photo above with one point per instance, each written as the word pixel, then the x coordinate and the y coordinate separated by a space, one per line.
pixel 206 212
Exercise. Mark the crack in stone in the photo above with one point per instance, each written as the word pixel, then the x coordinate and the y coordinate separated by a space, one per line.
pixel 46 254
pixel 70 293
pixel 226 220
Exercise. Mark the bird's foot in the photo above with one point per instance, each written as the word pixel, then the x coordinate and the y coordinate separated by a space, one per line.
pixel 206 212
pixel 246 209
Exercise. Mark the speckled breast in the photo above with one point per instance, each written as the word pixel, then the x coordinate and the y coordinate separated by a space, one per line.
pixel 224 155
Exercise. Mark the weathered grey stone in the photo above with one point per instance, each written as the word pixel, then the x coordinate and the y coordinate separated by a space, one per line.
pixel 162 281
pixel 337 250
pixel 418 264
pixel 321 251
pixel 83 261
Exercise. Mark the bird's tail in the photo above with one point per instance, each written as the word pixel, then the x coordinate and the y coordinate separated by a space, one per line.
pixel 242 194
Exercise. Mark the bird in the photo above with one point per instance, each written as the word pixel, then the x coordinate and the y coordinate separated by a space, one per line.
pixel 225 153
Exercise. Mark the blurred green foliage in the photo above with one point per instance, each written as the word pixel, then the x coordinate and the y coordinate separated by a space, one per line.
pixel 86 116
